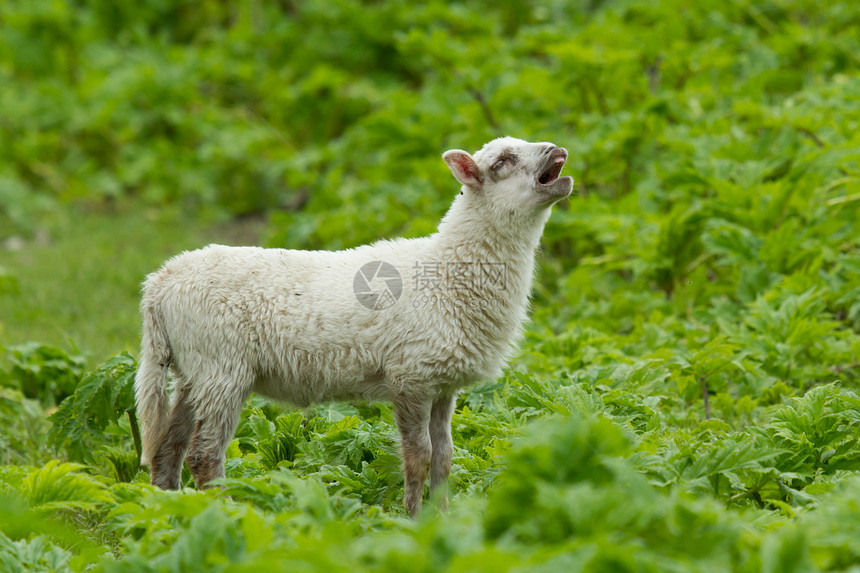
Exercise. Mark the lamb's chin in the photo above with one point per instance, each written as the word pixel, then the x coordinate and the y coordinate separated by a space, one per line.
pixel 556 190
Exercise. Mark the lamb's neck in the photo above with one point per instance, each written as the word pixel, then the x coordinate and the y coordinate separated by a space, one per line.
pixel 471 234
pixel 483 244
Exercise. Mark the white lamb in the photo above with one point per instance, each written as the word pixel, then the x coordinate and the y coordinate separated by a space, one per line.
pixel 410 320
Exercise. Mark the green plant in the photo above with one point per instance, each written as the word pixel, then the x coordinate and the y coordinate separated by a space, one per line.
pixel 103 398
pixel 43 372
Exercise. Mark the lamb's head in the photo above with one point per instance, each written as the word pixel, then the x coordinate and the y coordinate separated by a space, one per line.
pixel 512 175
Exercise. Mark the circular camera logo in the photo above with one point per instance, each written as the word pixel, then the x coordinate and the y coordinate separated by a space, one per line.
pixel 377 285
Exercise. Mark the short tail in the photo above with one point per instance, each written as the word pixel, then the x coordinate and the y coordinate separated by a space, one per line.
pixel 150 383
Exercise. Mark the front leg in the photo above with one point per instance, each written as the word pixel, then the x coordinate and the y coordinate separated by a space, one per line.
pixel 413 421
pixel 443 446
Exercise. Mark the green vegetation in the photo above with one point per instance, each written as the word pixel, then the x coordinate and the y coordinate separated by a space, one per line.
pixel 686 394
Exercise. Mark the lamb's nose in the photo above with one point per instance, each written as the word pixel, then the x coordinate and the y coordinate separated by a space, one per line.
pixel 555 151
pixel 548 148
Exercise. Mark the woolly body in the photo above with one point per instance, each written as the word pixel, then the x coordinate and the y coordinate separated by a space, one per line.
pixel 288 325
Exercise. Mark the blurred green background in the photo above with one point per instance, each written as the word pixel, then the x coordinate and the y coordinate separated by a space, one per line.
pixel 709 140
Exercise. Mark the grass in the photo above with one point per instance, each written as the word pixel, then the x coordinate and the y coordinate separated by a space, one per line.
pixel 78 284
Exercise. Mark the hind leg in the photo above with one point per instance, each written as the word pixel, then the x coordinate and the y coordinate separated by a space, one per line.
pixel 218 410
pixel 166 466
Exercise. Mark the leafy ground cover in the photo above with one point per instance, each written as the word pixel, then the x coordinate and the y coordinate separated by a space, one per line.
pixel 686 394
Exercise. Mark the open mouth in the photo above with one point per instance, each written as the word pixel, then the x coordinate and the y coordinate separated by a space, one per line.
pixel 551 172
pixel 551 186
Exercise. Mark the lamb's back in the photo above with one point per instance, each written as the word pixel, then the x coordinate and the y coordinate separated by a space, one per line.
pixel 284 313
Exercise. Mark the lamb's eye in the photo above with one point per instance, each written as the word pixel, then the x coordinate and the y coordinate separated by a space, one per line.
pixel 498 164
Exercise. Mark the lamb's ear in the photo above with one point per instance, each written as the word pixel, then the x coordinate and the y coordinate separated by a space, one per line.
pixel 464 168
